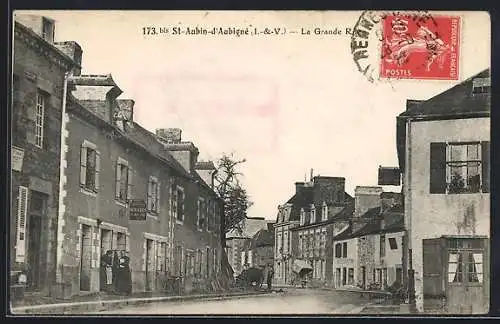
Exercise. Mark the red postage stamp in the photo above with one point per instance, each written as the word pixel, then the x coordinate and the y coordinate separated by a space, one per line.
pixel 420 47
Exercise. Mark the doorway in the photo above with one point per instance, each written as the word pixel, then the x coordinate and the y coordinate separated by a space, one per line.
pixel 363 278
pixel 466 279
pixel 85 257
pixel 149 264
pixel 37 215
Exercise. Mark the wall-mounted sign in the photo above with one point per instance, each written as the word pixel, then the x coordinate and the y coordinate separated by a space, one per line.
pixel 17 158
pixel 389 176
pixel 138 209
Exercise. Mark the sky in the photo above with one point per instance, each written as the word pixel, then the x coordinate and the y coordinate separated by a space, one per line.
pixel 286 103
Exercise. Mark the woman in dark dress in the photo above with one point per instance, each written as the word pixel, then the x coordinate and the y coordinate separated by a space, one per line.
pixel 116 269
pixel 124 275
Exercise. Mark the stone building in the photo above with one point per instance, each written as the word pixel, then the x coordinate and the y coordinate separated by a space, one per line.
pixel 306 225
pixel 38 91
pixel 124 188
pixel 259 250
pixel 368 254
pixel 444 154
pixel 237 242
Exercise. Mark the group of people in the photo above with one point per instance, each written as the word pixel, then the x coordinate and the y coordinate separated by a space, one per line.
pixel 115 272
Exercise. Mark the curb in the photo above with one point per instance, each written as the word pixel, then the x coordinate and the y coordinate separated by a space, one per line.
pixel 108 305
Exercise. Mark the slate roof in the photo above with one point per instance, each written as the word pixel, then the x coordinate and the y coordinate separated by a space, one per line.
pixel 345 214
pixel 205 165
pixel 263 237
pixel 372 219
pixel 455 103
pixel 252 226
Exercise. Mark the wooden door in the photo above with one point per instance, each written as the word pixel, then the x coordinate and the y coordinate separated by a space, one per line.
pixel 34 234
pixel 149 265
pixel 85 258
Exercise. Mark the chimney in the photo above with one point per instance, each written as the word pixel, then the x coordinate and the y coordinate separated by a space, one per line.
pixel 311 175
pixel 299 186
pixel 42 26
pixel 390 199
pixel 270 227
pixel 186 153
pixel 206 170
pixel 74 52
pixel 366 197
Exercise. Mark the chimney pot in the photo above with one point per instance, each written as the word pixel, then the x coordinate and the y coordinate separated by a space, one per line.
pixel 170 135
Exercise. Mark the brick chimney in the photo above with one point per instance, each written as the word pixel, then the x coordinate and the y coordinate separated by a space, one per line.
pixel 366 197
pixel 186 153
pixel 299 186
pixel 206 170
pixel 330 190
pixel 74 51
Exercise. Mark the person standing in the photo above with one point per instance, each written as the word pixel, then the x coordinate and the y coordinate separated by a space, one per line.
pixel 105 271
pixel 270 274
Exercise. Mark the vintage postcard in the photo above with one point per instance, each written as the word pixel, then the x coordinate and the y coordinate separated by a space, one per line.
pixel 250 162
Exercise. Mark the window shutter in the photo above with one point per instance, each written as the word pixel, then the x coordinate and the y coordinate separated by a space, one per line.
pixel 157 202
pixel 129 183
pixel 22 209
pixel 83 165
pixel 97 169
pixel 485 164
pixel 438 168
pixel 150 192
pixel 118 178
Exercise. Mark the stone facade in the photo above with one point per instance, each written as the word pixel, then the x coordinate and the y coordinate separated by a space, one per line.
pixel 39 70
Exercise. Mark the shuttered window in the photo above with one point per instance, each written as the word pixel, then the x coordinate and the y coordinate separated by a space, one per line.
pixel 22 210
pixel 153 195
pixel 90 165
pixel 457 168
pixel 124 182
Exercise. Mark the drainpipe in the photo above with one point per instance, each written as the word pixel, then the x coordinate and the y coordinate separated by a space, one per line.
pixel 62 182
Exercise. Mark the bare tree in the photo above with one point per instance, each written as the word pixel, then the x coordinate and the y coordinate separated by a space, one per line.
pixel 228 186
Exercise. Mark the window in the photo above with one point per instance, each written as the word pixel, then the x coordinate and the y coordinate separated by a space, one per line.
pixel 48 30
pixel 338 250
pixel 123 181
pixel 41 100
pixel 324 215
pixel 455 271
pixel 393 243
pixel 350 279
pixel 344 276
pixel 177 203
pixel 302 216
pixel 178 258
pixel 153 195
pixel 344 250
pixel 201 211
pixel 209 218
pixel 161 256
pixel 465 266
pixel 458 168
pixel 382 246
pixel 481 85
pixel 89 167
pixel 313 215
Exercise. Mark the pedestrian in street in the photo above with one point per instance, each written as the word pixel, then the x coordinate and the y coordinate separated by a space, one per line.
pixel 106 272
pixel 270 274
pixel 265 273
pixel 124 276
pixel 115 268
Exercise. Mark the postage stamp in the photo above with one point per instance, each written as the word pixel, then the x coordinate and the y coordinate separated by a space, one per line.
pixel 420 47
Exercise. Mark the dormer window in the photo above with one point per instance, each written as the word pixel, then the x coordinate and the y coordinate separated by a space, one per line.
pixel 481 85
pixel 302 216
pixel 324 215
pixel 313 215
pixel 48 30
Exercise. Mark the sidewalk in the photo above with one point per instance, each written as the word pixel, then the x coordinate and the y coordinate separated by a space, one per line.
pixel 89 304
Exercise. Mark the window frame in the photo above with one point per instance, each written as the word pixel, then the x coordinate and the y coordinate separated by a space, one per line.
pixel 153 194
pixel 85 148
pixel 40 112
pixel 382 247
pixel 450 162
pixel 121 162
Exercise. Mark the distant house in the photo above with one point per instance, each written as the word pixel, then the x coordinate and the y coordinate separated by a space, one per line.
pixel 369 252
pixel 237 243
pixel 444 154
pixel 259 250
pixel 306 225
